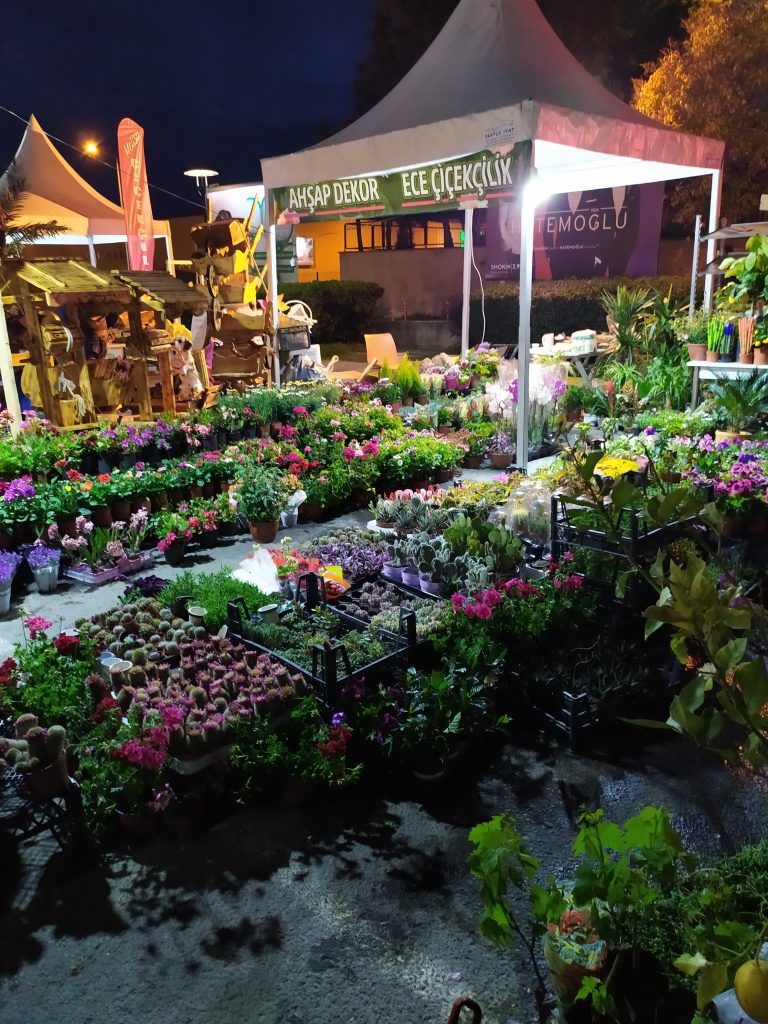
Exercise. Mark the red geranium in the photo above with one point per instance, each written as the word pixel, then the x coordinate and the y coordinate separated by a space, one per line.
pixel 66 644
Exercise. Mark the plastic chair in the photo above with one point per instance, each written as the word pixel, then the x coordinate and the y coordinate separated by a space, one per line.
pixel 382 348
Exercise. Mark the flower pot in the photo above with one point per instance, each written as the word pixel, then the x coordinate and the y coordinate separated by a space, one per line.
pixel 102 517
pixel 567 977
pixel 761 356
pixel 141 503
pixel 174 553
pixel 208 538
pixel 442 476
pixel 746 357
pixel 47 579
pixel 310 512
pixel 392 572
pixel 121 511
pixel 23 533
pixel 159 500
pixel 289 518
pixel 127 460
pixel 209 489
pixel 713 357
pixel 138 828
pixel 195 491
pixel 408 402
pixel 298 791
pixel 264 533
pixel 396 407
pixel 67 527
pixel 410 576
pixel 430 587
pixel 697 352
pixel 104 464
pixel 5 599
pixel 473 461
pixel 49 781
pixel 499 461
pixel 197 614
pixel 421 400
pixel 444 428
pixel 179 606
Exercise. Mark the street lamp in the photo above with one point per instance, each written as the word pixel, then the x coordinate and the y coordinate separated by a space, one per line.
pixel 91 148
pixel 201 174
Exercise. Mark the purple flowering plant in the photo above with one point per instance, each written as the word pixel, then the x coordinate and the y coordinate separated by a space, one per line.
pixel 9 563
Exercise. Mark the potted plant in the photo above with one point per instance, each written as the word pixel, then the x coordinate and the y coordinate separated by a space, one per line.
pixel 747 276
pixel 39 754
pixel 741 402
pixel 716 339
pixel 173 530
pixel 692 331
pixel 262 494
pixel 9 563
pixel 760 341
pixel 409 381
pixel 501 450
pixel 44 562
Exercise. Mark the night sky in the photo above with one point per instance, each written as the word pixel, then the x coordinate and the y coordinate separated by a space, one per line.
pixel 214 83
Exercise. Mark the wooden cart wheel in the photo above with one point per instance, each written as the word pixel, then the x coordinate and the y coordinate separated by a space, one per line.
pixel 212 280
pixel 216 313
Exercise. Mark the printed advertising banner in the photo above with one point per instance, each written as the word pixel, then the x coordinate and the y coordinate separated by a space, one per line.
pixel 605 233
pixel 139 226
pixel 481 176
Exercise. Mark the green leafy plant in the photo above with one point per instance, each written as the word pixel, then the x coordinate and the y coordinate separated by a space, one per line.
pixel 747 276
pixel 263 493
pixel 743 401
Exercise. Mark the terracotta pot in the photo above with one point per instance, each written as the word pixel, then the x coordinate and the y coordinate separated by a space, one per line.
pixel 499 461
pixel 473 461
pixel 274 430
pixel 761 356
pixel 159 501
pixel 121 511
pixel 298 791
pixel 102 517
pixel 444 428
pixel 713 357
pixel 310 512
pixel 174 555
pixel 263 430
pixel 138 828
pixel 421 399
pixel 264 533
pixel 408 402
pixel 697 352
pixel 396 407
pixel 50 781
pixel 746 357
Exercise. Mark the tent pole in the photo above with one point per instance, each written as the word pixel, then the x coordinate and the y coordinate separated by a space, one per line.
pixel 269 216
pixel 170 264
pixel 467 280
pixel 714 224
pixel 91 251
pixel 528 209
pixel 7 375
pixel 695 265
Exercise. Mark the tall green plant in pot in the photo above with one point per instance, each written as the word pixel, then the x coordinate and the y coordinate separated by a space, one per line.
pixel 625 310
pixel 262 494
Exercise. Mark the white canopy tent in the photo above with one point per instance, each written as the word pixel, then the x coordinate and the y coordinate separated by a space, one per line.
pixel 57 192
pixel 497 75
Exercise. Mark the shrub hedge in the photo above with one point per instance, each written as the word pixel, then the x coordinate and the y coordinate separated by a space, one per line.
pixel 344 309
pixel 567 306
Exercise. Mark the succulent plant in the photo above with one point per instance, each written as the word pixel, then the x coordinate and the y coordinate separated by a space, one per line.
pixel 23 724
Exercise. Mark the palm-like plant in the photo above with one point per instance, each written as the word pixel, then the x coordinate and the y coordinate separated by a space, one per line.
pixel 742 401
pixel 625 310
pixel 14 236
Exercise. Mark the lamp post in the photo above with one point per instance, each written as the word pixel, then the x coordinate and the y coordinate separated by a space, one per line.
pixel 201 174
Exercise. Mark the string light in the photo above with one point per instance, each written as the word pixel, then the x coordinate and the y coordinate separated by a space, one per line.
pixel 94 156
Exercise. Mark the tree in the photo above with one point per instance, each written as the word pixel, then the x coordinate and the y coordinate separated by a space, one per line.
pixel 14 236
pixel 613 39
pixel 714 82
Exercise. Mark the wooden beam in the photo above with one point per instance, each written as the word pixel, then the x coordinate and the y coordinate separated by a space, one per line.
pixel 39 356
pixel 78 354
pixel 139 375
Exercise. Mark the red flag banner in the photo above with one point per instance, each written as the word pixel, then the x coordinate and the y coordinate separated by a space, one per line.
pixel 139 225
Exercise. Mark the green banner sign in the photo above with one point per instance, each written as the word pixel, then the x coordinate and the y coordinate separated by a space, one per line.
pixel 442 186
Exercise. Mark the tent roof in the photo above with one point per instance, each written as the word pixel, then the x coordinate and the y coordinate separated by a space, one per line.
pixel 497 72
pixel 58 192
